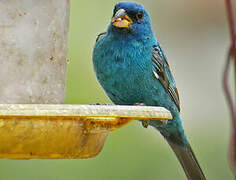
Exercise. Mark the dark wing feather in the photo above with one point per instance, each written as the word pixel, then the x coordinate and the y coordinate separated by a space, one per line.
pixel 163 74
pixel 100 36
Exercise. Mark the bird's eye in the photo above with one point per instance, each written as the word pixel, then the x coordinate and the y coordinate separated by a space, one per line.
pixel 140 15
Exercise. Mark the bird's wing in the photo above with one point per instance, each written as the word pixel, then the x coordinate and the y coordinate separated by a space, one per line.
pixel 100 36
pixel 162 73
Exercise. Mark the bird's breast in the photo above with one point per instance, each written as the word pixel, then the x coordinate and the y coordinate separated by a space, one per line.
pixel 121 70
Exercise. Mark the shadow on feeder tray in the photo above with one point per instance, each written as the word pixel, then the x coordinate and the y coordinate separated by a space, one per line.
pixel 64 131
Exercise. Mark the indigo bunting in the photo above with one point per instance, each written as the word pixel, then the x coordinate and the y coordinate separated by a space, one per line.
pixel 132 68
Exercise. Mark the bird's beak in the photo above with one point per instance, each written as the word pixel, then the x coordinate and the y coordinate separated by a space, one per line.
pixel 121 19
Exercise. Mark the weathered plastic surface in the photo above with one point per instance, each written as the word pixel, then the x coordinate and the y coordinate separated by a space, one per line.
pixel 33 50
pixel 64 131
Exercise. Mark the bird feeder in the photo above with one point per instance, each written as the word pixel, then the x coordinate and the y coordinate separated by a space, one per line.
pixel 34 122
pixel 64 131
pixel 33 51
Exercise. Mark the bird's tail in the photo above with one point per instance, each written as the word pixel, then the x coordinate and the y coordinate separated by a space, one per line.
pixel 187 160
pixel 173 132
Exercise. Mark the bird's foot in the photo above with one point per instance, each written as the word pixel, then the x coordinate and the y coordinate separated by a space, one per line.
pixel 101 104
pixel 145 123
pixel 96 104
pixel 139 104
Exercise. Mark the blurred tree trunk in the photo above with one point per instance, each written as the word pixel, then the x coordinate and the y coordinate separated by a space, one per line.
pixel 33 50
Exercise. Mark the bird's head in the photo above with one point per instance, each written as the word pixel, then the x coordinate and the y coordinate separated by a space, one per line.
pixel 130 17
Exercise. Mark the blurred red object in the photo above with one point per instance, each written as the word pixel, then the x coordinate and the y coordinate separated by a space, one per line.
pixel 231 55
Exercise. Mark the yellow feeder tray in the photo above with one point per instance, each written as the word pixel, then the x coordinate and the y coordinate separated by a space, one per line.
pixel 33 131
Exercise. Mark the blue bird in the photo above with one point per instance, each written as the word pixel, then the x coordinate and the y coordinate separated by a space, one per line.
pixel 132 68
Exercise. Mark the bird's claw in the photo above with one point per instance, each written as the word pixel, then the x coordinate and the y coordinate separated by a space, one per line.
pixel 139 104
pixel 145 123
pixel 96 104
pixel 101 104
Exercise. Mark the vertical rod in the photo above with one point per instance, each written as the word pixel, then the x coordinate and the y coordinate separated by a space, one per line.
pixel 232 53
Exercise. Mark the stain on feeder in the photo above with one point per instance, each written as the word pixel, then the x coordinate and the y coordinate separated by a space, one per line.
pixel 52 58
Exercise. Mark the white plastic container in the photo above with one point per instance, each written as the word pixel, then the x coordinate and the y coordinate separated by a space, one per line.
pixel 33 50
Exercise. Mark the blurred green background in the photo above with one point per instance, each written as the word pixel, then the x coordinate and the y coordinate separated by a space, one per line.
pixel 194 36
